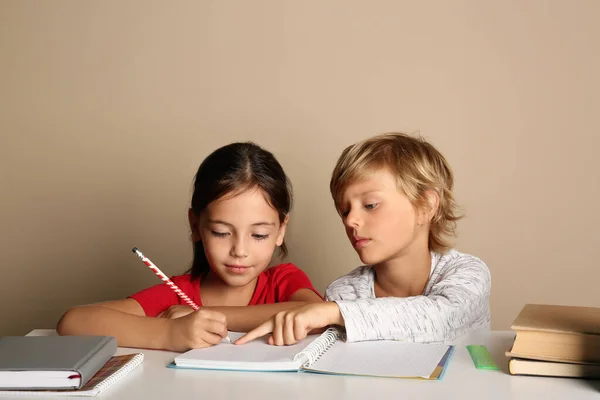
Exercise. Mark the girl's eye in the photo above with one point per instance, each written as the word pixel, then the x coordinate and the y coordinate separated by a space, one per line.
pixel 219 234
pixel 260 237
pixel 371 206
pixel 344 214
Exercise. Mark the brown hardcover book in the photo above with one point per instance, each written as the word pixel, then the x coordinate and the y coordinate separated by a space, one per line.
pixel 557 333
pixel 518 366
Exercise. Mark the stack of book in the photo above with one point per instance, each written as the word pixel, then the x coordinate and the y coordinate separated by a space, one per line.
pixel 61 365
pixel 559 341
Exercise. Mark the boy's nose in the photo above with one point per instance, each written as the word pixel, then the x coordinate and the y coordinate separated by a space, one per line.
pixel 352 220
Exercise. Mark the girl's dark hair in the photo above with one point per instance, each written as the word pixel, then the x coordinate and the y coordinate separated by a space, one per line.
pixel 233 169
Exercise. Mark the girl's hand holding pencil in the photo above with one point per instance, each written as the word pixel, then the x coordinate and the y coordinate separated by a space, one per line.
pixel 193 327
pixel 176 312
pixel 197 330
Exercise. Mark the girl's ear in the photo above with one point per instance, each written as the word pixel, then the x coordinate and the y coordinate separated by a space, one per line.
pixel 430 207
pixel 281 233
pixel 194 221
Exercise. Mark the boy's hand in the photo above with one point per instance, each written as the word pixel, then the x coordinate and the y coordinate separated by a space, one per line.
pixel 197 330
pixel 291 326
pixel 176 312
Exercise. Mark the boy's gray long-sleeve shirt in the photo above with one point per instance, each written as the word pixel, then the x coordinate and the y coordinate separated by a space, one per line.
pixel 455 301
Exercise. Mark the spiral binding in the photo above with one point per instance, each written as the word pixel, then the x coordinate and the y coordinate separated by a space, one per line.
pixel 124 370
pixel 319 346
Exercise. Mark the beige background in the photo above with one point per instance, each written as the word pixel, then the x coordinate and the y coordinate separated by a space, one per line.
pixel 108 107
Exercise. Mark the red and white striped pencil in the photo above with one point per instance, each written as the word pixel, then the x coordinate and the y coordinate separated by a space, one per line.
pixel 169 282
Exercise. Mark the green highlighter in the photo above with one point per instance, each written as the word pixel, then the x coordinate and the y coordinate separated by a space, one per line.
pixel 481 357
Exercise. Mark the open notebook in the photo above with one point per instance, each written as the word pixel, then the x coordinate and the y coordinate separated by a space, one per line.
pixel 115 369
pixel 326 354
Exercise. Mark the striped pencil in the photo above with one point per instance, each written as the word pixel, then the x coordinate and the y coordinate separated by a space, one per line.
pixel 165 279
pixel 169 282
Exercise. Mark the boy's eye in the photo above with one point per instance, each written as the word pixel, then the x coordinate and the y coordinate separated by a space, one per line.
pixel 344 214
pixel 219 234
pixel 260 237
pixel 370 206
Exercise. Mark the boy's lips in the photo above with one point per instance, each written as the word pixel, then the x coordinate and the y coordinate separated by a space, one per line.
pixel 359 241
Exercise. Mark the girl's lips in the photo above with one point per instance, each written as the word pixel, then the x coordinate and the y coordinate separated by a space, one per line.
pixel 238 269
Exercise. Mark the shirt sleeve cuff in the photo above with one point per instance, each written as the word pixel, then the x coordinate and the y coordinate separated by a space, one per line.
pixel 351 312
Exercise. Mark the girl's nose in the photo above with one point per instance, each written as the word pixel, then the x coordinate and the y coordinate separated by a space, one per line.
pixel 239 249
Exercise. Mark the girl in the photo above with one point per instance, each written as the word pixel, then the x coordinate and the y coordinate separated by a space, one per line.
pixel 394 195
pixel 238 216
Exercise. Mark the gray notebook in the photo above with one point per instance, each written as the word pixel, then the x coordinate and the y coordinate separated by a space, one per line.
pixel 52 362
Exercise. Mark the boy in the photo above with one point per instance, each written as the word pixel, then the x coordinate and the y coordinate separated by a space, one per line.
pixel 394 195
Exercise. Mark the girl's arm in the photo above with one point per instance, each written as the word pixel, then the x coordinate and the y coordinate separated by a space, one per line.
pixel 126 321
pixel 456 303
pixel 246 318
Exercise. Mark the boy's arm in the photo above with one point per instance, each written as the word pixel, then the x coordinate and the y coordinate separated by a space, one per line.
pixel 453 306
pixel 246 318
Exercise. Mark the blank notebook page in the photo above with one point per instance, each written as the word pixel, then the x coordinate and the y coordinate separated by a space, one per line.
pixel 255 351
pixel 381 358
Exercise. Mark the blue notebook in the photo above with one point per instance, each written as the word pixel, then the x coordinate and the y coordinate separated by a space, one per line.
pixel 326 354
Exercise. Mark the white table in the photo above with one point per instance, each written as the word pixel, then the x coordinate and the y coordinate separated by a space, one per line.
pixel 153 380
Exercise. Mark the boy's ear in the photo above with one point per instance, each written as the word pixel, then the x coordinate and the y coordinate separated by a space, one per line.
pixel 194 221
pixel 281 233
pixel 430 207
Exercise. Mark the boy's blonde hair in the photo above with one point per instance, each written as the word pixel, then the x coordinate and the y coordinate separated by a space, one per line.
pixel 418 167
